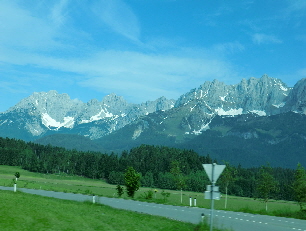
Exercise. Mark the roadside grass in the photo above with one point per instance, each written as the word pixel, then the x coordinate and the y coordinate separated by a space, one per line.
pixel 22 211
pixel 76 184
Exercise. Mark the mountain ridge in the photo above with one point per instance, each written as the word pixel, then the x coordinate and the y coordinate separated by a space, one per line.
pixel 46 112
pixel 49 111
pixel 113 124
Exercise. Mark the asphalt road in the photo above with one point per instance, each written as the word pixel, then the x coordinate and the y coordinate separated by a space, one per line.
pixel 236 220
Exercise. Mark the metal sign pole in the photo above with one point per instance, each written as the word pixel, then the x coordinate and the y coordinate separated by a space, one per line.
pixel 212 197
pixel 213 172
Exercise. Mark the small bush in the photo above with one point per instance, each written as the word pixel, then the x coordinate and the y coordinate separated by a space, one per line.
pixel 147 195
pixel 120 190
pixel 165 195
pixel 88 192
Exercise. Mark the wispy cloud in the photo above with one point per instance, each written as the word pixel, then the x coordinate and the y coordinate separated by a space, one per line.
pixel 260 38
pixel 119 17
pixel 58 12
pixel 34 44
pixel 296 5
pixel 294 13
pixel 230 47
pixel 302 73
pixel 133 73
pixel 20 29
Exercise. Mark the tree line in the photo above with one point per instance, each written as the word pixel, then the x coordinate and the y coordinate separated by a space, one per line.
pixel 158 166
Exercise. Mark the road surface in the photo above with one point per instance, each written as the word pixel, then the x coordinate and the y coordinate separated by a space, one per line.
pixel 236 220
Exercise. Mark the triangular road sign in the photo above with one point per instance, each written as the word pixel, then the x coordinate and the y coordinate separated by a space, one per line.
pixel 213 171
pixel 208 170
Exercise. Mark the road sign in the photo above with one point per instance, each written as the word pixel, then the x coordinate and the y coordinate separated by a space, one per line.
pixel 215 195
pixel 213 172
pixel 214 188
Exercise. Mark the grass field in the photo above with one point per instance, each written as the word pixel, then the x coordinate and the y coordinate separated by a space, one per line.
pixel 20 211
pixel 74 184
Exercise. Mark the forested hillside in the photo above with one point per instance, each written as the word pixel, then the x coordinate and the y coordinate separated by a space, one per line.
pixel 249 140
pixel 155 163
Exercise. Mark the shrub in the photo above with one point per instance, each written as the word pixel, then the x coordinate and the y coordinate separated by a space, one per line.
pixel 165 195
pixel 147 195
pixel 119 190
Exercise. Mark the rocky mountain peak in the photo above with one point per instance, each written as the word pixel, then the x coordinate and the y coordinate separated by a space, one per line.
pixel 51 102
pixel 297 98
pixel 47 112
pixel 255 95
pixel 114 102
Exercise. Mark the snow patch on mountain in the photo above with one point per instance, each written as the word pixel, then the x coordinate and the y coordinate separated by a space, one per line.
pixel 282 87
pixel 49 122
pixel 279 105
pixel 260 113
pixel 231 112
pixel 5 121
pixel 223 97
pixel 102 114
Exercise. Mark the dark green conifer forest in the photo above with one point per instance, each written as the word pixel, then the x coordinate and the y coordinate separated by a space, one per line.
pixel 152 162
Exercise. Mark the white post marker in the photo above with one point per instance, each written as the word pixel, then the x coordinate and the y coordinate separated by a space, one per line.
pixel 93 199
pixel 213 172
pixel 190 201
pixel 195 202
pixel 15 187
pixel 202 216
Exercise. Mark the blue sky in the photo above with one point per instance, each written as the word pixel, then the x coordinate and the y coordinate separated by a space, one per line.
pixel 144 49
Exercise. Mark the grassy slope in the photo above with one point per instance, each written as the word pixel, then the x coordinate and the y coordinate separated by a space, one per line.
pixel 75 184
pixel 20 211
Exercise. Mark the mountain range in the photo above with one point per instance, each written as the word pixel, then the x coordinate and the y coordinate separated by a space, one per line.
pixel 256 121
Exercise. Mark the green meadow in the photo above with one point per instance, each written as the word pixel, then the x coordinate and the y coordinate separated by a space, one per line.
pixel 49 212
pixel 21 211
pixel 75 184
